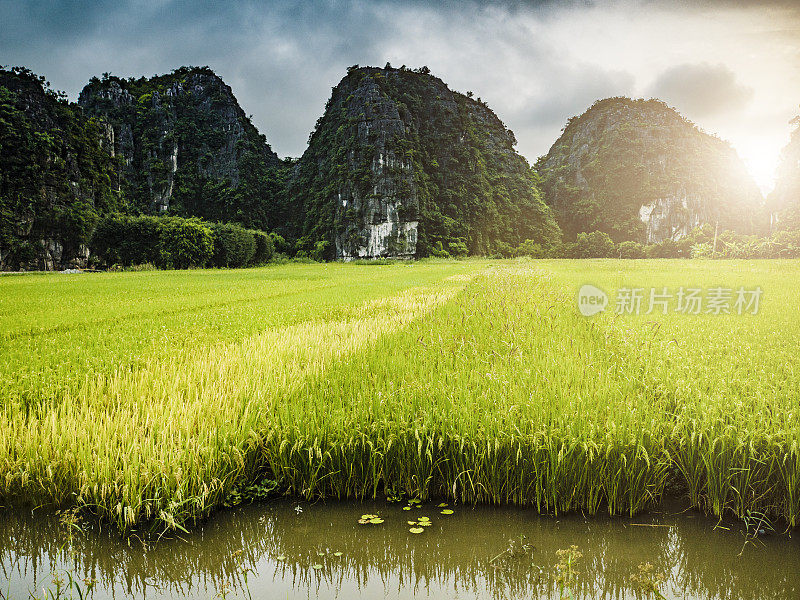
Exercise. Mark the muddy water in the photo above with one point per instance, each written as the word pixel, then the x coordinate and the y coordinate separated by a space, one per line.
pixel 270 550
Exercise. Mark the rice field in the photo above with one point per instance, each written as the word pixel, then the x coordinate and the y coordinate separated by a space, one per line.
pixel 147 397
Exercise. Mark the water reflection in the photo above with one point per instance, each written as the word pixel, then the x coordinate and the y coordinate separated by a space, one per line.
pixel 274 548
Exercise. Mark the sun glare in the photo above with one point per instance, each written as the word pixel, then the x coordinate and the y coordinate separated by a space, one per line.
pixel 761 159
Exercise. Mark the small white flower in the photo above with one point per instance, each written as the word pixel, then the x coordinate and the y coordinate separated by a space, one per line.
pixel 298 509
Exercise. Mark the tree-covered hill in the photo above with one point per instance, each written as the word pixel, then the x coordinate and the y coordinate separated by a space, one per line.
pixel 186 147
pixel 638 170
pixel 56 177
pixel 784 201
pixel 400 165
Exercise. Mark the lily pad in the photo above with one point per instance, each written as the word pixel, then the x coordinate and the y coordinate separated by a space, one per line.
pixel 447 511
pixel 406 508
pixel 416 530
pixel 424 519
pixel 316 567
pixel 443 505
pixel 337 554
pixel 281 557
pixel 411 522
pixel 425 523
pixel 376 521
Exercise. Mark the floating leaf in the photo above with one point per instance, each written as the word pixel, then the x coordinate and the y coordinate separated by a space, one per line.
pixel 406 508
pixel 281 557
pixel 376 521
pixel 320 554
pixel 316 567
pixel 425 523
pixel 447 511
pixel 363 521
pixel 443 504
pixel 368 517
pixel 337 553
pixel 416 530
pixel 424 518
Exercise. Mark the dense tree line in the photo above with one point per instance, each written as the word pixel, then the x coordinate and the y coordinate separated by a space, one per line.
pixel 702 242
pixel 178 243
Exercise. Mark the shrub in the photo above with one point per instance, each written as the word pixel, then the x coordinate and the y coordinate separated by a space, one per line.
pixel 320 251
pixel 631 250
pixel 458 248
pixel 126 240
pixel 438 251
pixel 596 244
pixel 184 243
pixel 316 250
pixel 529 248
pixel 265 247
pixel 702 250
pixel 668 249
pixel 563 250
pixel 234 246
pixel 501 249
pixel 786 244
pixel 280 244
pixel 174 242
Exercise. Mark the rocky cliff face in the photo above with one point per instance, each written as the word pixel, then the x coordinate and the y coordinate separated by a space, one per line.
pixel 401 166
pixel 183 140
pixel 56 176
pixel 638 170
pixel 378 215
pixel 784 202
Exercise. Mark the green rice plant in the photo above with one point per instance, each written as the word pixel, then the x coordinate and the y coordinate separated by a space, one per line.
pixel 152 398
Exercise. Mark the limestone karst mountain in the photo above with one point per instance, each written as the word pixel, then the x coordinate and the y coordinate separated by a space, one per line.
pixel 55 175
pixel 638 170
pixel 400 165
pixel 186 146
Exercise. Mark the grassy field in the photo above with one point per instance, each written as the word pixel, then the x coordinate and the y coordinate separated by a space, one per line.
pixel 149 396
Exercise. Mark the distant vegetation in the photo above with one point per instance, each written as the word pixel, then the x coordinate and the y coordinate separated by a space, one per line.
pixel 701 242
pixel 176 243
pixel 399 165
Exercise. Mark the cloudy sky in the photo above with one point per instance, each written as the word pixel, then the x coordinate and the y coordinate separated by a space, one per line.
pixel 731 66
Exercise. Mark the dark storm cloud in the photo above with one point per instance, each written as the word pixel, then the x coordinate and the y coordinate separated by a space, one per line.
pixel 279 58
pixel 282 58
pixel 701 89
